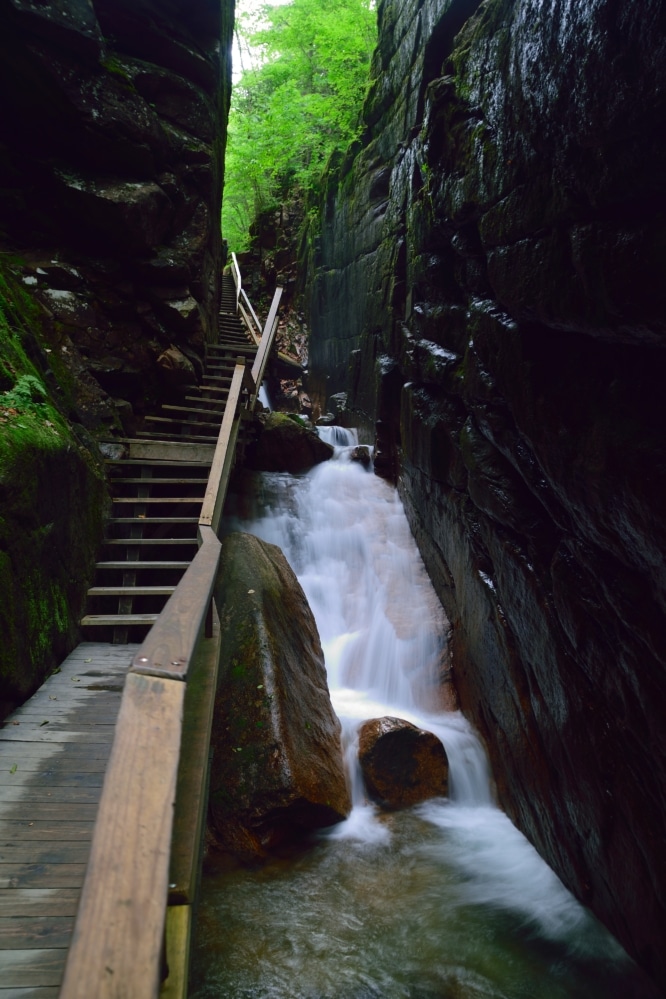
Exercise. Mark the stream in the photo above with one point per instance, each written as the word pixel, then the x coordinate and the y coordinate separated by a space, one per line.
pixel 446 900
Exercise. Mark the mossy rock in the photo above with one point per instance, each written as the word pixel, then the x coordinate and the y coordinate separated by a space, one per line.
pixel 287 445
pixel 53 500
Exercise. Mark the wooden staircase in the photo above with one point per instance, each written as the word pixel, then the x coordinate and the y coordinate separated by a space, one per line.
pixel 150 541
pixel 151 537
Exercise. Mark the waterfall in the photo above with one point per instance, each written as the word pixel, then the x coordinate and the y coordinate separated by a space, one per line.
pixel 445 899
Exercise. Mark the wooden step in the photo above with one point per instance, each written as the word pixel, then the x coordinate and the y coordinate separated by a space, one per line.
pixel 159 463
pixel 141 565
pixel 152 481
pixel 209 402
pixel 168 421
pixel 189 409
pixel 232 348
pixel 151 541
pixel 158 499
pixel 214 380
pixel 154 520
pixel 131 591
pixel 188 438
pixel 97 620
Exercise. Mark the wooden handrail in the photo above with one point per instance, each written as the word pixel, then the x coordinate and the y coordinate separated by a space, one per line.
pixel 220 470
pixel 250 318
pixel 267 338
pixel 236 275
pixel 117 945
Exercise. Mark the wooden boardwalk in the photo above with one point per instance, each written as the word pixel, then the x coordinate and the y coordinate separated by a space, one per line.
pixel 110 756
pixel 53 754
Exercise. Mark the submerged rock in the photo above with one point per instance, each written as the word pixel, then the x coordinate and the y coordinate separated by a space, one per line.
pixel 402 765
pixel 277 769
pixel 286 444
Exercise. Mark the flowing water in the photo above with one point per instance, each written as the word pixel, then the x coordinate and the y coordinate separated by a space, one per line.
pixel 443 901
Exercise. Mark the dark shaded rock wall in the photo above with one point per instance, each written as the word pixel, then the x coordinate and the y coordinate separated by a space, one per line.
pixel 489 278
pixel 53 499
pixel 112 135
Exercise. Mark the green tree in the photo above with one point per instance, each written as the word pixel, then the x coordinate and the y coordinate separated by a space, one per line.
pixel 300 100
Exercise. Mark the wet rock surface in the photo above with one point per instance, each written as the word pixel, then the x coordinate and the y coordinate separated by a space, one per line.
pixel 402 765
pixel 489 267
pixel 286 444
pixel 112 131
pixel 277 769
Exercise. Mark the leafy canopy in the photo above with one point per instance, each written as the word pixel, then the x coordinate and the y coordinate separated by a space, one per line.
pixel 299 100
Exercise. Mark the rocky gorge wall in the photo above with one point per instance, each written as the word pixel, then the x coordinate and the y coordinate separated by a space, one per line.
pixel 112 135
pixel 487 284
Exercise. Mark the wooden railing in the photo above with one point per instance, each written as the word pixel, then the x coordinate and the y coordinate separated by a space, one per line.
pixel 118 946
pixel 243 305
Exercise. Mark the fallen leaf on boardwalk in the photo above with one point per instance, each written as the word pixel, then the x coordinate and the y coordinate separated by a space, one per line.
pixel 44 723
pixel 75 679
pixel 87 660
pixel 16 723
pixel 52 697
pixel 13 769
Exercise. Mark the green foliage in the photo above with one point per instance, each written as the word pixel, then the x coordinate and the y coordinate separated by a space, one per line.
pixel 299 104
pixel 27 391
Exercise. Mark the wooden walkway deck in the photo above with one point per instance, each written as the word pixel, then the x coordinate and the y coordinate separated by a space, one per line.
pixel 57 748
pixel 53 754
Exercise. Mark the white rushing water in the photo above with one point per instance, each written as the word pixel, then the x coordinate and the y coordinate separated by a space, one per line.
pixel 444 900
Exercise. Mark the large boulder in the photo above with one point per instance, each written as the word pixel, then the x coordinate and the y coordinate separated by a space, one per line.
pixel 286 444
pixel 402 765
pixel 277 768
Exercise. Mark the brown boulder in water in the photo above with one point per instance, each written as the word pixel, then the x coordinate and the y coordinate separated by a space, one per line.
pixel 286 444
pixel 277 768
pixel 401 764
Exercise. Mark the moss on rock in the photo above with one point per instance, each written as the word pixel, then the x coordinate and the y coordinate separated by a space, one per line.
pixel 52 503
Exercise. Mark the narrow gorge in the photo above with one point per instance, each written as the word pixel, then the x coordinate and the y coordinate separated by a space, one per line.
pixel 481 274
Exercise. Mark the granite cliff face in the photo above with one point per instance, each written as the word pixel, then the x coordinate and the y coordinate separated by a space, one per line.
pixel 488 277
pixel 112 134
pixel 111 156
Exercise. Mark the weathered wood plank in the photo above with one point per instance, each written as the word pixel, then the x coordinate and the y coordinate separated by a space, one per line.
pixel 17 749
pixel 39 902
pixel 172 451
pixel 40 811
pixel 47 794
pixel 36 992
pixel 267 336
pixel 31 932
pixel 216 490
pixel 41 875
pixel 117 940
pixel 46 829
pixel 50 778
pixel 31 733
pixel 142 565
pixel 59 851
pixel 167 648
pixel 178 942
pixel 135 591
pixel 92 620
pixel 76 697
pixel 32 967
pixel 191 796
pixel 62 763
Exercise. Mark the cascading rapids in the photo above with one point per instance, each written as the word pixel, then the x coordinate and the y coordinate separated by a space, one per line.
pixel 444 900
